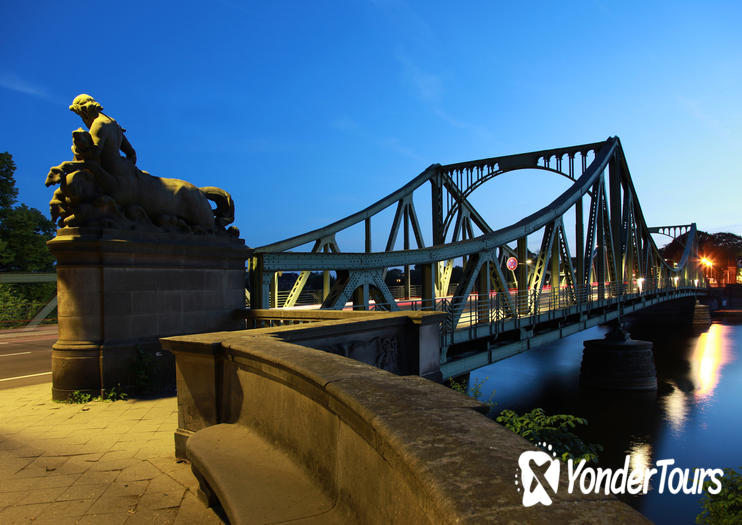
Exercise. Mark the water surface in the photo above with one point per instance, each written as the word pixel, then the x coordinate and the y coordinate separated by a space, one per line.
pixel 693 418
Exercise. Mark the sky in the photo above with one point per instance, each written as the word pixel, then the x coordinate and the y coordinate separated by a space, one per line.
pixel 309 111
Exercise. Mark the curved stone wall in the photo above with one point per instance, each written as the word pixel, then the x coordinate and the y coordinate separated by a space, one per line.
pixel 385 448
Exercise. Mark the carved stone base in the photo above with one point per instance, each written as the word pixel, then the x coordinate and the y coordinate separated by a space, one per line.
pixel 120 291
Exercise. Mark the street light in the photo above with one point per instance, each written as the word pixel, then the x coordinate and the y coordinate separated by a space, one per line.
pixel 708 263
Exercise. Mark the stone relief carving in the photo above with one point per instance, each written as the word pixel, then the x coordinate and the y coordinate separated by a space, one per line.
pixel 102 188
pixel 382 352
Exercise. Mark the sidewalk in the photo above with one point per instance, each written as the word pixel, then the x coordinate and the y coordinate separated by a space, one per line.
pixel 98 463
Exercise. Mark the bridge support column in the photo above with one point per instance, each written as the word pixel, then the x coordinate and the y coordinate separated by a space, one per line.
pixel 523 306
pixel 618 362
pixel 120 291
pixel 483 294
pixel 429 278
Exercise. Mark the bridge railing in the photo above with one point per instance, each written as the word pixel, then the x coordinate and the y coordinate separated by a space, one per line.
pixel 495 310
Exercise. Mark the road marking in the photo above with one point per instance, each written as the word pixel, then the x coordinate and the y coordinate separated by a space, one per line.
pixel 17 353
pixel 24 377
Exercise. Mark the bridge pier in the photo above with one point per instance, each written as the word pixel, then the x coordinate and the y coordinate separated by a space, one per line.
pixel 618 362
pixel 685 315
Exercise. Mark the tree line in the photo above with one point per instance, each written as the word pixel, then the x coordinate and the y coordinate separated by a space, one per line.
pixel 23 235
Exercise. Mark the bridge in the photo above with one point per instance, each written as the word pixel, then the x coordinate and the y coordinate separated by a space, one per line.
pixel 510 297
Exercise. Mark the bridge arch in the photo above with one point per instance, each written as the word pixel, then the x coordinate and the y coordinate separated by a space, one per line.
pixel 613 260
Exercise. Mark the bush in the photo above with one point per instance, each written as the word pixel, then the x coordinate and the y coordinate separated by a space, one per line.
pixel 538 427
pixel 20 303
pixel 726 506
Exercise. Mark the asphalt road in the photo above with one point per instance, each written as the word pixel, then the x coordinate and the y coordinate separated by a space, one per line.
pixel 26 356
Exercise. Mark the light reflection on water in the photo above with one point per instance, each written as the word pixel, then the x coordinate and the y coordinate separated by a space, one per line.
pixel 692 418
pixel 712 352
pixel 676 407
pixel 641 458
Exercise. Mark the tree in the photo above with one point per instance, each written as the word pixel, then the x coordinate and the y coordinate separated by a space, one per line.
pixel 8 191
pixel 23 230
pixel 23 235
pixel 722 248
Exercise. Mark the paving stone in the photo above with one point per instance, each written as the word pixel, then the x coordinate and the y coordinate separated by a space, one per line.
pixel 163 492
pixel 11 498
pixel 98 463
pixel 21 514
pixel 83 491
pixel 139 471
pixel 110 504
pixel 193 512
pixel 109 518
pixel 42 495
pixel 64 509
pixel 14 484
pixel 179 470
pixel 41 467
pixel 150 517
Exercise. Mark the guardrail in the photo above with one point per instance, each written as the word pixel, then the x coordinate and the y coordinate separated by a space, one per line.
pixel 31 278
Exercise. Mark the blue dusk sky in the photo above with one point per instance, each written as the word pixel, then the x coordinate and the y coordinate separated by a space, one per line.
pixel 307 111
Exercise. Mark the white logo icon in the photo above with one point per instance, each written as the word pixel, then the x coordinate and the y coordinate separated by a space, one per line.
pixel 539 473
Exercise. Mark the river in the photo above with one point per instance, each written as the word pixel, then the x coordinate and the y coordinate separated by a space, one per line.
pixel 694 417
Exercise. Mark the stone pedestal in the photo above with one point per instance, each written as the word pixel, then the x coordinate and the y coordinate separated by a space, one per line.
pixel 618 362
pixel 120 291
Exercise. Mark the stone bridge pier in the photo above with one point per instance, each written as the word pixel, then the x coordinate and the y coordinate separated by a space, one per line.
pixel 119 291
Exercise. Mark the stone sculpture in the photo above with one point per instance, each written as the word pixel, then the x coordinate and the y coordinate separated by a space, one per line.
pixel 103 189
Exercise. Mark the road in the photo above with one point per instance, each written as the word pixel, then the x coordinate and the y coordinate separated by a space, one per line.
pixel 25 356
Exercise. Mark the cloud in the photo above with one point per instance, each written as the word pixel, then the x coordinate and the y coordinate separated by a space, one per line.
pixel 351 127
pixel 428 86
pixel 714 125
pixel 13 82
pixel 393 144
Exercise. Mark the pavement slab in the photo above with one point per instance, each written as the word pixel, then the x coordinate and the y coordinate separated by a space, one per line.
pixel 102 462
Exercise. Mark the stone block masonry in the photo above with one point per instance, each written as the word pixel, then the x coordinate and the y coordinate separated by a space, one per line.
pixel 119 291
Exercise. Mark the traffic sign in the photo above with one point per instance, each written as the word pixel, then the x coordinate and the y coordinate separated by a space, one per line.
pixel 512 263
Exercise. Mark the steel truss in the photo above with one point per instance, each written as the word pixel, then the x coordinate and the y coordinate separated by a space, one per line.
pixel 615 256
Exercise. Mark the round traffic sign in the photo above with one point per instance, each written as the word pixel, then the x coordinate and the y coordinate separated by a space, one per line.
pixel 512 263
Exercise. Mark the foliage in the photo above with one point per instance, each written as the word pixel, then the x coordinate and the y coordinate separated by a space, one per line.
pixel 20 302
pixel 726 506
pixel 8 191
pixel 556 430
pixel 475 392
pixel 24 232
pixel 722 248
pixel 79 398
pixel 114 395
pixel 23 235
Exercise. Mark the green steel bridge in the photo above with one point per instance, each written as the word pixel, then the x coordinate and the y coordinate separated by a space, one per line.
pixel 510 298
